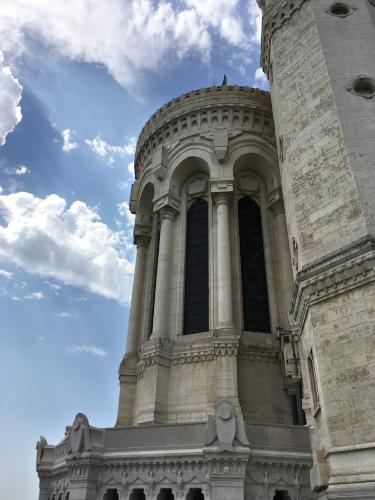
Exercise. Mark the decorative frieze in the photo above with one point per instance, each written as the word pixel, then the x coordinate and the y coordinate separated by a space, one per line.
pixel 274 17
pixel 215 113
pixel 337 273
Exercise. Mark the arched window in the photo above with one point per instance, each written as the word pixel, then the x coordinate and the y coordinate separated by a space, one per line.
pixel 195 494
pixel 138 494
pixel 165 494
pixel 111 494
pixel 196 272
pixel 256 314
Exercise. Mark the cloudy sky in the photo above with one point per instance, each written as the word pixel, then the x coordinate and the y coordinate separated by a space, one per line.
pixel 78 79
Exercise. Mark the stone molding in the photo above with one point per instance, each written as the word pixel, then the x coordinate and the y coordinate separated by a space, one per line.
pixel 203 112
pixel 339 272
pixel 185 349
pixel 273 19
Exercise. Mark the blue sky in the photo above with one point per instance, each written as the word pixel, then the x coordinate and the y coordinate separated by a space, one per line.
pixel 78 80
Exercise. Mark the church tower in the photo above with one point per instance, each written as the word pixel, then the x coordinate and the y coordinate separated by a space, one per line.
pixel 210 384
pixel 320 59
pixel 213 269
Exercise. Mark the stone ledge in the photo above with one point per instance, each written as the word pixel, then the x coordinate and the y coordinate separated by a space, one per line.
pixel 349 268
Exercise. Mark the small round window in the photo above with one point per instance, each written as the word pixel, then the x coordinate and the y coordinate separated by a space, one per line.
pixel 340 9
pixel 363 86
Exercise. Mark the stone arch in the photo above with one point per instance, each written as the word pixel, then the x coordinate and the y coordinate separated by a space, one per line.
pixel 111 494
pixel 165 494
pixel 281 495
pixel 145 208
pixel 195 494
pixel 258 160
pixel 186 166
pixel 137 494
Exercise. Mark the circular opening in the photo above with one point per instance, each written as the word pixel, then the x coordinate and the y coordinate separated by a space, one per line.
pixel 340 9
pixel 364 87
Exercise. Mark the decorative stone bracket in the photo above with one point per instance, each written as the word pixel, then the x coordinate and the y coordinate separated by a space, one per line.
pixel 225 429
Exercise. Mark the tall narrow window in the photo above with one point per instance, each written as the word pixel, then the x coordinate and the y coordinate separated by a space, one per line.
pixel 256 314
pixel 196 273
pixel 313 381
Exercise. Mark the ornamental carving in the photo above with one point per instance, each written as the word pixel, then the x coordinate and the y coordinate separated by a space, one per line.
pixel 202 113
pixel 273 19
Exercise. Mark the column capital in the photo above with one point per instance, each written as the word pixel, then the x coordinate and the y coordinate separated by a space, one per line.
pixel 224 198
pixel 222 190
pixel 275 201
pixel 167 200
pixel 141 235
pixel 168 212
pixel 221 185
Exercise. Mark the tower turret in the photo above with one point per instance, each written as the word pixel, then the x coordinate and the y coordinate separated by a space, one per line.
pixel 320 59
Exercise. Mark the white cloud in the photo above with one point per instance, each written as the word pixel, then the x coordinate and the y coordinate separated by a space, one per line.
pixel 6 274
pixel 35 296
pixel 124 211
pixel 123 185
pixel 90 349
pixel 107 151
pixel 260 76
pixel 130 38
pixel 10 96
pixel 20 170
pixel 69 144
pixel 70 244
pixel 131 167
pixel 65 315
pixel 255 20
pixel 53 286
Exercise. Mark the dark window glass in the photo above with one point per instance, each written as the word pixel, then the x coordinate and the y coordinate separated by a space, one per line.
pixel 254 283
pixel 155 268
pixel 196 272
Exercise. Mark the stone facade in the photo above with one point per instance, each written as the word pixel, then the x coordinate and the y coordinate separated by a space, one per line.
pixel 317 55
pixel 218 411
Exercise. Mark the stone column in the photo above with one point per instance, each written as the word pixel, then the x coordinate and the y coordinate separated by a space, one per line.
pixel 128 367
pixel 136 303
pixel 163 274
pixel 224 277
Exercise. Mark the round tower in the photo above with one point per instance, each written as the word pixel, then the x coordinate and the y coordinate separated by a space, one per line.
pixel 209 384
pixel 213 270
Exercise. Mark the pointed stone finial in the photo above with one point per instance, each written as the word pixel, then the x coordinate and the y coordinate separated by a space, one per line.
pixel 224 80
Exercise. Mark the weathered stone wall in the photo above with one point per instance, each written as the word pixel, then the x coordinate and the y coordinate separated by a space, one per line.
pixel 323 206
pixel 348 47
pixel 325 139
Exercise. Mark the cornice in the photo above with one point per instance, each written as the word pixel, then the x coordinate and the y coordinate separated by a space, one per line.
pixel 274 17
pixel 199 113
pixel 206 347
pixel 339 272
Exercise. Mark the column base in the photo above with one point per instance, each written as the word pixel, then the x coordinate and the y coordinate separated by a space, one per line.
pixel 128 385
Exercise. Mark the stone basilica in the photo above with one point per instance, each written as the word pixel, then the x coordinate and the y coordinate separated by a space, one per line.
pixel 249 370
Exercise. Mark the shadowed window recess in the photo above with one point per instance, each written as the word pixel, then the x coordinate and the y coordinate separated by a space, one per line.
pixel 256 314
pixel 196 271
